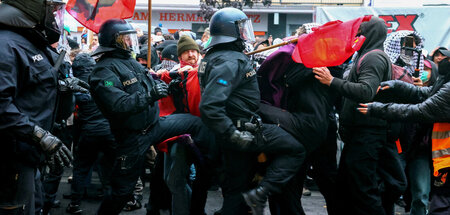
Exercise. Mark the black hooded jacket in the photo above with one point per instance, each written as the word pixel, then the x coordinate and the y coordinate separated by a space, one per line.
pixel 90 120
pixel 422 104
pixel 362 87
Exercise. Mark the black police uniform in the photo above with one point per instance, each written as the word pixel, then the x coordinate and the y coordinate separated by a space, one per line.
pixel 120 87
pixel 230 98
pixel 29 97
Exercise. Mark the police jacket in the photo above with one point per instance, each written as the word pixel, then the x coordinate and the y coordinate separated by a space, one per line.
pixel 361 86
pixel 120 87
pixel 28 93
pixel 426 104
pixel 230 89
pixel 89 120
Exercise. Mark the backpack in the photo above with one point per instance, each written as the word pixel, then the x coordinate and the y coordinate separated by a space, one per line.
pixel 398 72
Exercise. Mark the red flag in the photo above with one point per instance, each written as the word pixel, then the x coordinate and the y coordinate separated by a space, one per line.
pixel 93 13
pixel 330 44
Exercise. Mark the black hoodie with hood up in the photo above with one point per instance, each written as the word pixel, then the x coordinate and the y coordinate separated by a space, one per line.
pixel 361 87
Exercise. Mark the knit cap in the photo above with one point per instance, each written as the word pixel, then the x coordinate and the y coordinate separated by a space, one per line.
pixel 170 52
pixel 186 43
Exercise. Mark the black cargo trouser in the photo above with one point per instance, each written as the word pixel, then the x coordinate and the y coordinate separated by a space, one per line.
pixel 324 172
pixel 130 154
pixel 287 153
pixel 358 179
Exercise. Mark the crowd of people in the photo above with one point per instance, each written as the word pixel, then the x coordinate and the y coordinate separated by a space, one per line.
pixel 205 113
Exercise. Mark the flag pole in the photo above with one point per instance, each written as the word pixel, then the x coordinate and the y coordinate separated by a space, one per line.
pixel 149 40
pixel 273 46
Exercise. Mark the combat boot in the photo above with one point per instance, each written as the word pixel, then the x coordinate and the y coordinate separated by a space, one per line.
pixel 256 200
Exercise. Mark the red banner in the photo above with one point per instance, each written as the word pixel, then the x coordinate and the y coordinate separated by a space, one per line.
pixel 93 13
pixel 330 44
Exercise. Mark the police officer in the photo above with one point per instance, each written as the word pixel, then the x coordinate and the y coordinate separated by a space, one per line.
pixel 29 98
pixel 230 99
pixel 127 96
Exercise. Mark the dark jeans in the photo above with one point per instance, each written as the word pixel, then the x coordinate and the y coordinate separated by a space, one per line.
pixel 358 178
pixel 86 154
pixel 392 175
pixel 440 200
pixel 131 150
pixel 239 166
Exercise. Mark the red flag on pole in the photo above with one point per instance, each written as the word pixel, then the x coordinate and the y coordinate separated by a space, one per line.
pixel 93 13
pixel 330 44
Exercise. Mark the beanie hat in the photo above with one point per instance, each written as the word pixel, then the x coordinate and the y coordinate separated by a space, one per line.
pixel 170 52
pixel 186 43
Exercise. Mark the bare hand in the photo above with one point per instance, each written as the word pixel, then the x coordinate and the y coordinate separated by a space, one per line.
pixel 323 75
pixel 417 82
pixel 185 68
pixel 161 71
pixel 364 108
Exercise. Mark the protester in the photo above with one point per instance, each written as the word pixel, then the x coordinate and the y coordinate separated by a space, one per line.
pixel 404 49
pixel 364 137
pixel 169 58
pixel 94 44
pixel 301 105
pixel 425 105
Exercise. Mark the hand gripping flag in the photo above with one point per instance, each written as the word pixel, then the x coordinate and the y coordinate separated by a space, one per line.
pixel 329 44
pixel 93 13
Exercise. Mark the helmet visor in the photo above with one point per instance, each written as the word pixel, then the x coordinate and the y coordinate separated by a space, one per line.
pixel 129 41
pixel 246 30
pixel 57 10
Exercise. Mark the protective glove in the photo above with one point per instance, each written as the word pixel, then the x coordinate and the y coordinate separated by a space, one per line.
pixel 73 84
pixel 48 142
pixel 158 91
pixel 242 139
pixel 60 159
pixel 52 146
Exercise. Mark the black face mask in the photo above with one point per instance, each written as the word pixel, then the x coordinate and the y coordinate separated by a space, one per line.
pixel 444 67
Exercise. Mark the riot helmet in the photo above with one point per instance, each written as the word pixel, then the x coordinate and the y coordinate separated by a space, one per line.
pixel 45 15
pixel 228 25
pixel 117 33
pixel 54 20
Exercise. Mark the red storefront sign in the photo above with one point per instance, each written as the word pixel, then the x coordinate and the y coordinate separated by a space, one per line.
pixel 184 17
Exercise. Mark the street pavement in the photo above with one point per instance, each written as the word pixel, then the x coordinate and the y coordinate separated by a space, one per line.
pixel 313 205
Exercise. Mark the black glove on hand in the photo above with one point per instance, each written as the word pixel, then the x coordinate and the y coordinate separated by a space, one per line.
pixel 62 158
pixel 158 91
pixel 174 86
pixel 48 142
pixel 242 139
pixel 74 85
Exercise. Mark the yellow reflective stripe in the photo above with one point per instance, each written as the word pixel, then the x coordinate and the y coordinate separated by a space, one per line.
pixel 440 134
pixel 440 153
